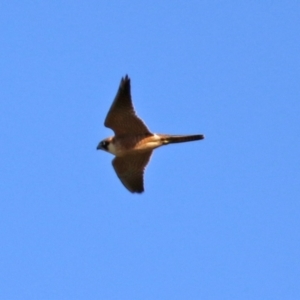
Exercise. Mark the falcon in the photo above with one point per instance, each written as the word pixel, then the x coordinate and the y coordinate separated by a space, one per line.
pixel 133 143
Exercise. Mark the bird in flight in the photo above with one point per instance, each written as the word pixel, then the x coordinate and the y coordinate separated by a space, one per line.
pixel 133 142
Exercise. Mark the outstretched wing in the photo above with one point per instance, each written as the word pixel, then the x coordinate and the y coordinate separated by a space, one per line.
pixel 121 117
pixel 130 170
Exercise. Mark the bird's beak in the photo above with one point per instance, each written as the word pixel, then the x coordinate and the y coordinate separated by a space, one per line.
pixel 99 146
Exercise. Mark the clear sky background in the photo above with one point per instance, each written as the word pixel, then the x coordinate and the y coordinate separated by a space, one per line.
pixel 220 218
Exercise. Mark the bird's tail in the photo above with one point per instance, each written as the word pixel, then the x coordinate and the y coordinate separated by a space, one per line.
pixel 170 139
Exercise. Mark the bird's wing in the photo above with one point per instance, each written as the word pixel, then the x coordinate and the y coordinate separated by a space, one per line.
pixel 121 117
pixel 130 170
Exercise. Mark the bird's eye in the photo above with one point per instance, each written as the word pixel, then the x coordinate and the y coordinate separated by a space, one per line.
pixel 104 144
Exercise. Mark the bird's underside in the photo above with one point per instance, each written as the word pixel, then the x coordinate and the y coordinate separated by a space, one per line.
pixel 133 143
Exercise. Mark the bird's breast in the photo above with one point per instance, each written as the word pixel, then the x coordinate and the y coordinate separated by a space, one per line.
pixel 131 143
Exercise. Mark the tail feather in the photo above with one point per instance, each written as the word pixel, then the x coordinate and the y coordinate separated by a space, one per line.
pixel 170 139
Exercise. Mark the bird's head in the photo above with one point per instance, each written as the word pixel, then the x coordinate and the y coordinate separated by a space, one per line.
pixel 104 144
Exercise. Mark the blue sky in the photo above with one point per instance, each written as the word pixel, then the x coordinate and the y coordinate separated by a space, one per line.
pixel 219 218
